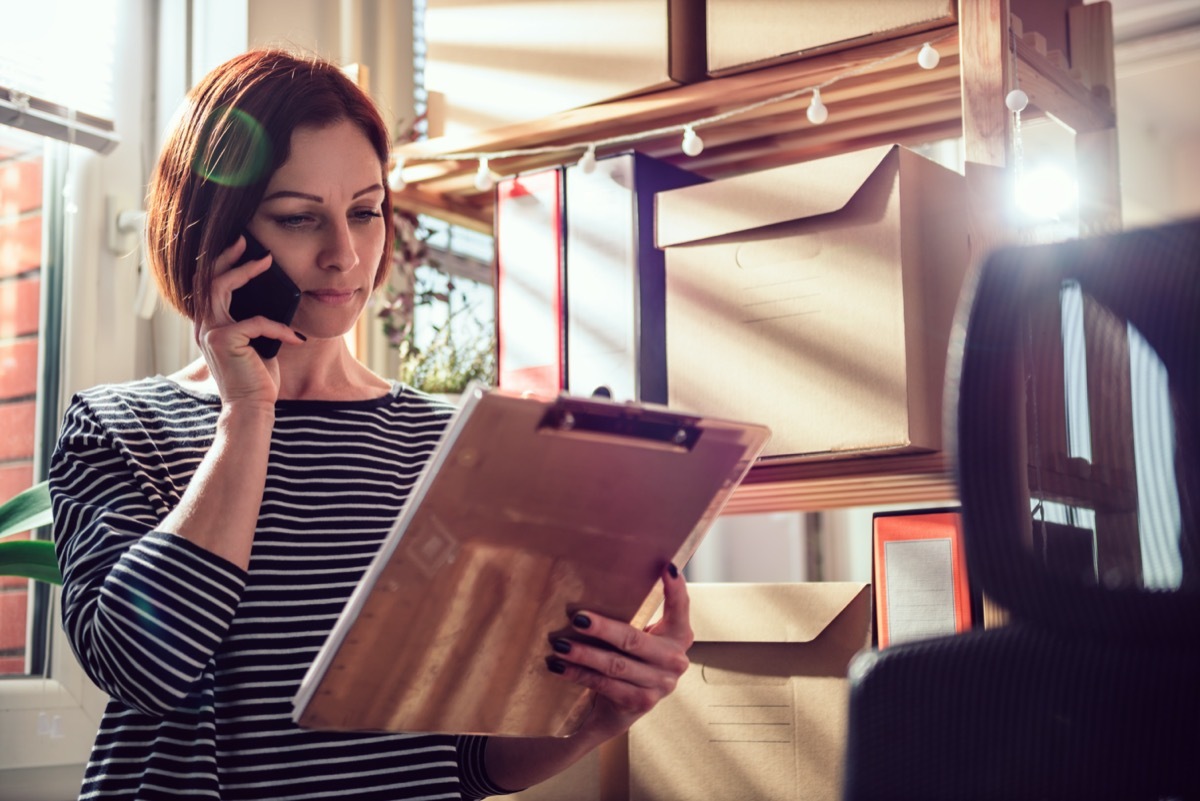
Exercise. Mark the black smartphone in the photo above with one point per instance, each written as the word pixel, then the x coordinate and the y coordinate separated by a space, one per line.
pixel 269 294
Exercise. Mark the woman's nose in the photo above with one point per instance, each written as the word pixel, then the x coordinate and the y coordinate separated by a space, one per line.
pixel 338 251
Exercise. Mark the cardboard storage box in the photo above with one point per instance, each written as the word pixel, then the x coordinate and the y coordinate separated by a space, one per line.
pixel 491 63
pixel 817 299
pixel 602 775
pixel 746 34
pixel 761 711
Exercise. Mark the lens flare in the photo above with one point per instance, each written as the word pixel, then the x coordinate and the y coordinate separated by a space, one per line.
pixel 1046 192
pixel 235 150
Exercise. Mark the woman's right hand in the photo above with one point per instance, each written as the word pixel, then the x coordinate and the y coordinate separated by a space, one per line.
pixel 240 373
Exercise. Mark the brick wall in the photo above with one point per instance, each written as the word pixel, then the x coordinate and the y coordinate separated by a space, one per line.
pixel 20 289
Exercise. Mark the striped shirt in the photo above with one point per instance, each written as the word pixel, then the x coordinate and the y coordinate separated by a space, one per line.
pixel 201 658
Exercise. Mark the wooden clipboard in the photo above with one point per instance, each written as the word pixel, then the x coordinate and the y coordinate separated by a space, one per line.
pixel 530 509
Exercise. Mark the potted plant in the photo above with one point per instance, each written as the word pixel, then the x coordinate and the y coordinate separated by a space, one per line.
pixel 33 559
pixel 461 347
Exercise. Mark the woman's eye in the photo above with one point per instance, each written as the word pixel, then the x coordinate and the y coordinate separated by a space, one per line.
pixel 293 221
pixel 366 215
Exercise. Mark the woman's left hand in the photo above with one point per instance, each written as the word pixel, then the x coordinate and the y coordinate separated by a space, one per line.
pixel 643 669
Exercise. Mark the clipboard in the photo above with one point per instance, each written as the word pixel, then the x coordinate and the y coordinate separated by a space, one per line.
pixel 529 510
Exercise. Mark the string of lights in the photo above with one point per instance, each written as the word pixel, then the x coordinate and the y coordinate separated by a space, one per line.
pixel 691 143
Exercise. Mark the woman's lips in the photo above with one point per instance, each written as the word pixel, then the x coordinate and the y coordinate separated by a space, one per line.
pixel 333 297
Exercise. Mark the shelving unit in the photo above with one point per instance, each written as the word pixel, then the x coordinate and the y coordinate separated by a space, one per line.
pixel 896 102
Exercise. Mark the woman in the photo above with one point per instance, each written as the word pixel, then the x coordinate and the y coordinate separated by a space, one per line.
pixel 212 524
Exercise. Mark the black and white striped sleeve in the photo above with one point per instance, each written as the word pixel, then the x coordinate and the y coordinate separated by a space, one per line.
pixel 144 610
pixel 472 773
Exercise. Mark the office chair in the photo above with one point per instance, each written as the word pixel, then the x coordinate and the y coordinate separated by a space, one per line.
pixel 1075 389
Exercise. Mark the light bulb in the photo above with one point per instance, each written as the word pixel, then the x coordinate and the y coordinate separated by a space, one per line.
pixel 817 113
pixel 1016 100
pixel 396 176
pixel 483 178
pixel 587 162
pixel 928 58
pixel 693 145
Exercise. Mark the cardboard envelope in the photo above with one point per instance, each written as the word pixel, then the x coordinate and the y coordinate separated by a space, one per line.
pixel 761 712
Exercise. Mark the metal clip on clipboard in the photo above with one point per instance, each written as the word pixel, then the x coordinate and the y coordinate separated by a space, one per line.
pixel 642 425
pixel 530 508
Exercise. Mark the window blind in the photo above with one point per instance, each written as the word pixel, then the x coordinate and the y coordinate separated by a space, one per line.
pixel 56 69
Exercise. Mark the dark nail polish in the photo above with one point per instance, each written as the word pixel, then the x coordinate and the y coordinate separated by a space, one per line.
pixel 581 621
pixel 561 645
pixel 302 337
pixel 556 665
pixel 674 571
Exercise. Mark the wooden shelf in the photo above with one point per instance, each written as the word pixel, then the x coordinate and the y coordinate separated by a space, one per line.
pixel 891 102
pixel 896 102
pixel 840 483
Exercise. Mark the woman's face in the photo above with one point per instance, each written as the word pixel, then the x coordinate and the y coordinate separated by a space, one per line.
pixel 320 217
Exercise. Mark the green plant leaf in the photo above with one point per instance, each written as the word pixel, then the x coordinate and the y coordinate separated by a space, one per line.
pixel 28 510
pixel 33 559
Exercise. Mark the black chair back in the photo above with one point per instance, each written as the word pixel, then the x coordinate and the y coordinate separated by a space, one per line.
pixel 1074 384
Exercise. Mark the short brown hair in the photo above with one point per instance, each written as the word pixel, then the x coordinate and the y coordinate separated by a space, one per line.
pixel 232 135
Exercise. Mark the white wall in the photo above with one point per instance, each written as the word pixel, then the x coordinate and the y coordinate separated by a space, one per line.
pixel 377 33
pixel 1187 172
pixel 764 548
pixel 1158 123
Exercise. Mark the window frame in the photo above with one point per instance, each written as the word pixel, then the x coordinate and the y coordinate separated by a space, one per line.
pixel 55 706
pixel 50 719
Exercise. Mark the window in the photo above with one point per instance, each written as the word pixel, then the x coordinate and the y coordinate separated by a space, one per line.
pixel 453 334
pixel 29 303
pixel 44 92
pixel 66 319
pixel 41 100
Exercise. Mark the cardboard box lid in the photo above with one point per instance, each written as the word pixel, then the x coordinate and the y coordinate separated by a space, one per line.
pixel 781 613
pixel 763 198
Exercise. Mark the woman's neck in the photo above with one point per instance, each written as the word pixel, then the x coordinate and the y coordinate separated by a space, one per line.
pixel 314 371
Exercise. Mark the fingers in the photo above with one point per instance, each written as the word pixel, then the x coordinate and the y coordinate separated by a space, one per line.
pixel 230 271
pixel 238 335
pixel 240 373
pixel 676 621
pixel 230 255
pixel 229 275
pixel 631 697
pixel 633 669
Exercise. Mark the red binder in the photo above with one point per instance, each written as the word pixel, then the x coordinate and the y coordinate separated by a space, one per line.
pixel 921 587
pixel 529 283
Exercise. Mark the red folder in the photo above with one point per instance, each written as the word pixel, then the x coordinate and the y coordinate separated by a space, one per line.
pixel 529 283
pixel 921 587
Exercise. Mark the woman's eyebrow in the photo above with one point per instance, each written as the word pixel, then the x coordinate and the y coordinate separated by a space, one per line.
pixel 369 189
pixel 289 193
pixel 318 198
